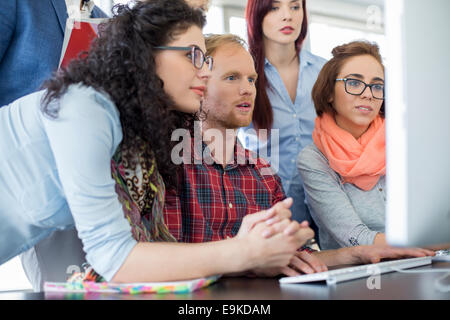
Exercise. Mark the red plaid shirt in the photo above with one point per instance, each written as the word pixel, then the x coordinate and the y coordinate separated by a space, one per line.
pixel 211 200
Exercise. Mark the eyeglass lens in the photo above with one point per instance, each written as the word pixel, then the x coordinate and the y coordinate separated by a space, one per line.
pixel 199 58
pixel 357 87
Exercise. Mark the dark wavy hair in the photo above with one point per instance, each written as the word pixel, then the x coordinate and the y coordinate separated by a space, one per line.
pixel 255 13
pixel 121 62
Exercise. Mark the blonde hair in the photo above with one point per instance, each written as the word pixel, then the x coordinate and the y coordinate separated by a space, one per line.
pixel 215 41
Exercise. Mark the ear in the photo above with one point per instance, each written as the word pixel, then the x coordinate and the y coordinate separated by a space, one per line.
pixel 331 99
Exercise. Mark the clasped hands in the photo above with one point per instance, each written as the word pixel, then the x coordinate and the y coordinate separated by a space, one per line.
pixel 274 241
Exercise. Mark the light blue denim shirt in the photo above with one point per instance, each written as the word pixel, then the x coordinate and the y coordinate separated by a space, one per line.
pixel 295 122
pixel 55 173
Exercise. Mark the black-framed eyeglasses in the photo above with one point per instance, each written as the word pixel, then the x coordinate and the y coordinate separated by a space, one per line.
pixel 357 87
pixel 197 55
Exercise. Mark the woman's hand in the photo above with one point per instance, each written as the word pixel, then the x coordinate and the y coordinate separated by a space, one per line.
pixel 277 213
pixel 374 253
pixel 302 262
pixel 275 251
pixel 273 237
pixel 276 219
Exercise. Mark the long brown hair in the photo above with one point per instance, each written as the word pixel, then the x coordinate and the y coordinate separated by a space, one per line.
pixel 255 12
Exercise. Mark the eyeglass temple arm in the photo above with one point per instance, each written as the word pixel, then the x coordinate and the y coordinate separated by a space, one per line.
pixel 174 48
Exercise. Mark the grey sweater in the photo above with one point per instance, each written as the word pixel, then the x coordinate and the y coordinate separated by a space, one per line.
pixel 346 215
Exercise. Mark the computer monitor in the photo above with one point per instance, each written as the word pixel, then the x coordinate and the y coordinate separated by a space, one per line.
pixel 418 122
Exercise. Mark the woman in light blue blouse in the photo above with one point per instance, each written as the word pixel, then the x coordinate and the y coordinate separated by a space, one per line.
pixel 95 146
pixel 286 75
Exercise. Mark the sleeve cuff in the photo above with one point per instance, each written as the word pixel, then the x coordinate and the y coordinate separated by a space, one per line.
pixel 361 236
pixel 108 265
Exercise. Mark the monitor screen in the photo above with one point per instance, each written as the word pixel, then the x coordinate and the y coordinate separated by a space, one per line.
pixel 418 122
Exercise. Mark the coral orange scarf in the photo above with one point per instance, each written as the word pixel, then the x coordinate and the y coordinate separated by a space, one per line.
pixel 361 162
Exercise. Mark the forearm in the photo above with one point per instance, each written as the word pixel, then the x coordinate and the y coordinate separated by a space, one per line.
pixel 253 247
pixel 337 217
pixel 150 262
pixel 338 257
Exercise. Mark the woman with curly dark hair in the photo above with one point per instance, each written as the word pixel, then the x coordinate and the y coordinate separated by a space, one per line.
pixel 95 146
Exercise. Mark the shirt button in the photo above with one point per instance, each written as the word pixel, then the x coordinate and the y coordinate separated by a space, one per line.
pixel 294 115
pixel 293 160
pixel 230 205
pixel 381 189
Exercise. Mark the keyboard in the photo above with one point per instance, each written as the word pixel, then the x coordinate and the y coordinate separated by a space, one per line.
pixel 442 255
pixel 357 272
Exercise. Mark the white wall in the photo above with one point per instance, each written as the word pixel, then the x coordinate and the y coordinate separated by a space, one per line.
pixel 12 276
pixel 331 22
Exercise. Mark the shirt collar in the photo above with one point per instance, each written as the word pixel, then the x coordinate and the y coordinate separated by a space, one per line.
pixel 242 156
